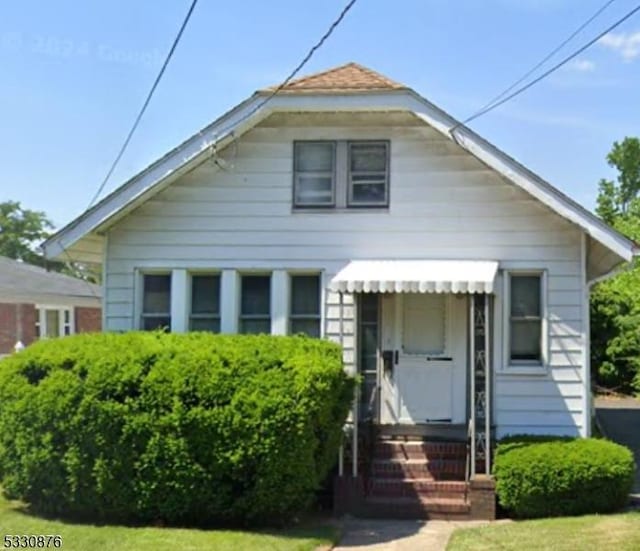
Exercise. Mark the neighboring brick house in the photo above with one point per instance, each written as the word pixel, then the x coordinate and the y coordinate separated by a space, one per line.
pixel 35 303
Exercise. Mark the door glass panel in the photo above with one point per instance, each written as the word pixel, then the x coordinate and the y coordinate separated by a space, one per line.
pixel 423 324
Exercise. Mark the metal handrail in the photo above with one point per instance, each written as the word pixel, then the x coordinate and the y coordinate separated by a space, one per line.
pixel 467 469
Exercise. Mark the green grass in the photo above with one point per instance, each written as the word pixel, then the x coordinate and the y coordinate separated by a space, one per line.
pixel 79 537
pixel 594 532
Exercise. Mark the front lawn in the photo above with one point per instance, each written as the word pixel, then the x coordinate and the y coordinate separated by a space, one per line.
pixel 80 537
pixel 620 532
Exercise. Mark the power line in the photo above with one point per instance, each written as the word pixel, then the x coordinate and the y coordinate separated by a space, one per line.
pixel 144 105
pixel 298 68
pixel 546 58
pixel 548 72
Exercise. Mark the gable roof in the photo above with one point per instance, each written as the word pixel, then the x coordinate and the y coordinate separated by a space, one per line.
pixel 351 77
pixel 21 282
pixel 307 94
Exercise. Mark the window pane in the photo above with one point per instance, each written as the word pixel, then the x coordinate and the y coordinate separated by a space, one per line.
pixel 156 322
pixel 525 296
pixel 526 340
pixel 205 294
pixel 205 324
pixel 314 189
pixel 369 193
pixel 369 307
pixel 256 295
pixel 255 326
pixel 423 328
pixel 157 294
pixel 52 323
pixel 307 327
pixel 368 157
pixel 305 295
pixel 314 157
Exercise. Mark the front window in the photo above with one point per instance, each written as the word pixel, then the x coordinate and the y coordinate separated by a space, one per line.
pixel 255 304
pixel 368 174
pixel 156 302
pixel 305 305
pixel 314 174
pixel 525 318
pixel 205 303
pixel 53 321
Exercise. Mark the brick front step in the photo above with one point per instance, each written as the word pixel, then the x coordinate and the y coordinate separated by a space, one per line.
pixel 398 449
pixel 417 488
pixel 414 508
pixel 436 469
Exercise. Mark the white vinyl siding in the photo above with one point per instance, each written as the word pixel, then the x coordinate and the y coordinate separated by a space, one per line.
pixel 444 204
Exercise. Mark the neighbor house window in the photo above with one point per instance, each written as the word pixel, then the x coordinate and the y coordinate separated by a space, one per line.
pixel 304 316
pixel 156 302
pixel 368 174
pixel 526 314
pixel 255 304
pixel 205 303
pixel 314 174
pixel 52 321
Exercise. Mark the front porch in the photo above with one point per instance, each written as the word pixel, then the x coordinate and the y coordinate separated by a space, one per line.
pixel 418 443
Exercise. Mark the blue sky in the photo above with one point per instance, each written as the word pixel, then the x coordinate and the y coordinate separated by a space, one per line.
pixel 74 74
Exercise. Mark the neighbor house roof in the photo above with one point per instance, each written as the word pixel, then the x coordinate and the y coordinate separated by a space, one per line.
pixel 21 282
pixel 348 88
pixel 351 77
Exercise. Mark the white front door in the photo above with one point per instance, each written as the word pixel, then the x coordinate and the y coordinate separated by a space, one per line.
pixel 423 380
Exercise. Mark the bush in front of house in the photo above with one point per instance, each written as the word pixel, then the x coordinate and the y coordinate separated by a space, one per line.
pixel 539 476
pixel 182 429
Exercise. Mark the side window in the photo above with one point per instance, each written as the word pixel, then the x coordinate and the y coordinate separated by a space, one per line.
pixel 205 303
pixel 368 174
pixel 526 307
pixel 304 316
pixel 255 304
pixel 156 302
pixel 314 174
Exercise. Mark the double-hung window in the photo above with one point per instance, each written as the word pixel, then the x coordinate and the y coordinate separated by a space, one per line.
pixel 205 303
pixel 255 304
pixel 368 174
pixel 156 302
pixel 314 174
pixel 526 318
pixel 304 316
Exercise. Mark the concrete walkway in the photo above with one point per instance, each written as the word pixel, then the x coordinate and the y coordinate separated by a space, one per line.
pixel 619 419
pixel 399 535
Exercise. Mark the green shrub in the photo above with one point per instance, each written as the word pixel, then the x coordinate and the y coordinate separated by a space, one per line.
pixel 546 476
pixel 191 429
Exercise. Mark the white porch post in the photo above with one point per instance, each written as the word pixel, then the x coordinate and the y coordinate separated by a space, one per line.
pixel 279 302
pixel 179 302
pixel 229 301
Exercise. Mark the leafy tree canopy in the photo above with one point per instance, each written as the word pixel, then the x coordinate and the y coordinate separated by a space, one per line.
pixel 21 231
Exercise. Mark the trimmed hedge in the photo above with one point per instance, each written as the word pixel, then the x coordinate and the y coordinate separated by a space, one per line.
pixel 190 429
pixel 546 476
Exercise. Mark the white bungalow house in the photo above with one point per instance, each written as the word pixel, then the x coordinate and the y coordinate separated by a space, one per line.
pixel 349 207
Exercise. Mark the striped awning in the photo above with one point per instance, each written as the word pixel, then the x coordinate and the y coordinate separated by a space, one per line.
pixel 416 276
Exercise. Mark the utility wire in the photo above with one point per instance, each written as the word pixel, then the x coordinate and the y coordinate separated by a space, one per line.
pixel 547 57
pixel 548 72
pixel 144 105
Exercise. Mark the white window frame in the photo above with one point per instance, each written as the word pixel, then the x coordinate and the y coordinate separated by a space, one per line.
pixel 296 174
pixel 140 301
pixel 363 204
pixel 41 321
pixel 206 316
pixel 526 366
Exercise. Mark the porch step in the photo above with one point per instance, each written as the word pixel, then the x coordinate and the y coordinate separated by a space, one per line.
pixel 416 449
pixel 413 508
pixel 434 469
pixel 417 489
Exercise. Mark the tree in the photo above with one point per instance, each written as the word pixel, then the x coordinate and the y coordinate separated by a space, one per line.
pixel 615 303
pixel 21 231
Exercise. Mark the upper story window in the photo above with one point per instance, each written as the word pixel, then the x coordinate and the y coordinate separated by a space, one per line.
pixel 368 174
pixel 156 302
pixel 255 304
pixel 526 315
pixel 342 174
pixel 205 303
pixel 314 174
pixel 304 316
